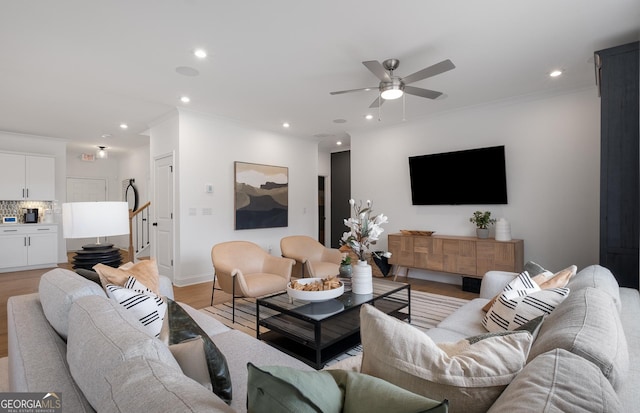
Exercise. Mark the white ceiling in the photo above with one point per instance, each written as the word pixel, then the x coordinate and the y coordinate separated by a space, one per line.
pixel 76 69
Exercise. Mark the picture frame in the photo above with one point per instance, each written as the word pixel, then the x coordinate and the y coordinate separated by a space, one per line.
pixel 261 197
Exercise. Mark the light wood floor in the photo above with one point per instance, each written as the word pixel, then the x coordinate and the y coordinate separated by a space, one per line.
pixel 197 295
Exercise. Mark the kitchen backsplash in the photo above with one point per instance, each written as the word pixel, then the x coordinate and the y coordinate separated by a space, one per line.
pixel 15 208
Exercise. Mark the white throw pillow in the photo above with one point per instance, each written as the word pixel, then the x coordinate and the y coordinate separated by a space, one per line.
pixel 470 373
pixel 147 307
pixel 509 313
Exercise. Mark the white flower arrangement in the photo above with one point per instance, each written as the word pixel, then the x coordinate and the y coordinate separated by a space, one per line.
pixel 364 230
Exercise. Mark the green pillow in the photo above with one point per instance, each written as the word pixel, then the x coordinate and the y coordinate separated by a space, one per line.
pixel 285 389
pixel 368 394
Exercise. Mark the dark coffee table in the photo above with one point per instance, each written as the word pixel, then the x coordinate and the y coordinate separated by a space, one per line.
pixel 316 332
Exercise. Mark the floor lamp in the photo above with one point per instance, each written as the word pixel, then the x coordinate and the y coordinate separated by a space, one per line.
pixel 95 219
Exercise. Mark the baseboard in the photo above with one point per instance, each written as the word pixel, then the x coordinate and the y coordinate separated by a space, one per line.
pixel 194 279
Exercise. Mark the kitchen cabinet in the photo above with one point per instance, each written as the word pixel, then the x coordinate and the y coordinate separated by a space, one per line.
pixel 28 246
pixel 27 177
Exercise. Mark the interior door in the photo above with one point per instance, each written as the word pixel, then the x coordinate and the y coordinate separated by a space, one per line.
pixel 85 190
pixel 163 209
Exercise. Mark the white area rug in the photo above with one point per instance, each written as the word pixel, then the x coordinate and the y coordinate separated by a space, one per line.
pixel 427 310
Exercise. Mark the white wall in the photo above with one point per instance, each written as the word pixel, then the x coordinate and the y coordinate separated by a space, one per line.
pixel 15 142
pixel 553 166
pixel 205 153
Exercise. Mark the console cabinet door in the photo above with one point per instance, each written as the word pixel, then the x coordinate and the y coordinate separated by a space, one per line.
pixel 460 257
pixel 401 249
pixel 428 253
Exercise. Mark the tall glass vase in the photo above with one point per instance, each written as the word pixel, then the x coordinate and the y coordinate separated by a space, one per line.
pixel 362 278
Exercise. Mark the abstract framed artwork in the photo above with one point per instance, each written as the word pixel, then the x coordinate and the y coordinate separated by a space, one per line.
pixel 261 196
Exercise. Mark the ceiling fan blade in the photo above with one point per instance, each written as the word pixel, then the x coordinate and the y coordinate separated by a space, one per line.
pixel 425 93
pixel 436 69
pixel 377 69
pixel 339 92
pixel 376 103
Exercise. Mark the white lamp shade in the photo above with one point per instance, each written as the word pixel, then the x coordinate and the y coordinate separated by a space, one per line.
pixel 95 219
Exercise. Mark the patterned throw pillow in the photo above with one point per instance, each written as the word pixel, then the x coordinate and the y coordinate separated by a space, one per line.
pixel 519 286
pixel 509 313
pixel 142 302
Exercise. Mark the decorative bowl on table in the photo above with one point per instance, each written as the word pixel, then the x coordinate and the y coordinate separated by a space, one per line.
pixel 294 291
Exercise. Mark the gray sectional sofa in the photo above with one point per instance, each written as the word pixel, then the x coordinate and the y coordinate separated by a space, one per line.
pixel 585 357
pixel 70 338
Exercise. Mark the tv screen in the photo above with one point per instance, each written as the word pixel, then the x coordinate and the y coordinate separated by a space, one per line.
pixel 474 176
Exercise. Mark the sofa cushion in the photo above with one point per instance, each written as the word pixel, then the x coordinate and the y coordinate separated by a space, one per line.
pixel 104 337
pixel 467 320
pixel 192 359
pixel 285 389
pixel 145 271
pixel 549 383
pixel 38 355
pixel 240 348
pixel 182 327
pixel 148 385
pixel 510 312
pixel 587 324
pixel 470 376
pixel 58 290
pixel 145 305
pixel 596 276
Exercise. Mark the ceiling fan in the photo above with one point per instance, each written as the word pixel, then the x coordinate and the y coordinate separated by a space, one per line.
pixel 392 87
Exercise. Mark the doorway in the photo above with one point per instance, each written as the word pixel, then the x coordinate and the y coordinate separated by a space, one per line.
pixel 322 214
pixel 163 210
pixel 340 194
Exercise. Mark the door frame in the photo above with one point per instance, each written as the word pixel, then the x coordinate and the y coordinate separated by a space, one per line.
pixel 154 209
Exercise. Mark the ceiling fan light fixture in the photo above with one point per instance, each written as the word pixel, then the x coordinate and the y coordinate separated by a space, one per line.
pixel 391 94
pixel 391 90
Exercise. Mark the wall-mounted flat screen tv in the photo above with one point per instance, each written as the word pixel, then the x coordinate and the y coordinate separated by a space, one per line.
pixel 469 177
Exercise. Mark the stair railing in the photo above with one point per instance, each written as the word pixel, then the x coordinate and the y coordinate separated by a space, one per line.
pixel 139 223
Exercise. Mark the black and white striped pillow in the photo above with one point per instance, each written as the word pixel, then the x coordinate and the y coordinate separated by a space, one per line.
pixel 147 307
pixel 509 313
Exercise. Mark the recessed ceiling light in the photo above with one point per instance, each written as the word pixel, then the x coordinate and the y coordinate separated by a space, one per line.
pixel 555 73
pixel 106 135
pixel 185 99
pixel 123 126
pixel 200 53
pixel 286 125
pixel 339 143
pixel 369 117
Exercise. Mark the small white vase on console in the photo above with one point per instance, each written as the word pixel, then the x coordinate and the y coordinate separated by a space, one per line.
pixel 362 278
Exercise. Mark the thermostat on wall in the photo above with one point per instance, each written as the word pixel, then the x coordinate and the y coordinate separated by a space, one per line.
pixel 9 220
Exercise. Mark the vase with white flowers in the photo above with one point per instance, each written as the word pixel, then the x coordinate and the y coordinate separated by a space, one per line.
pixel 364 231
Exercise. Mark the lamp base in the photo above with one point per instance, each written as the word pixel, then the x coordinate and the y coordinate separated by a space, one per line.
pixel 92 254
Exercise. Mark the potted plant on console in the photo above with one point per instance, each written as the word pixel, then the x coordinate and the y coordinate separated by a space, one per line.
pixel 482 221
